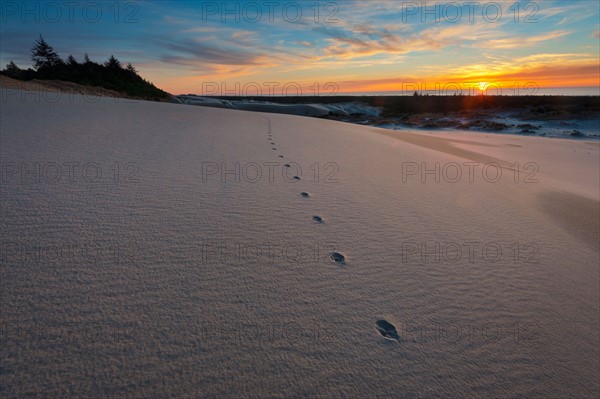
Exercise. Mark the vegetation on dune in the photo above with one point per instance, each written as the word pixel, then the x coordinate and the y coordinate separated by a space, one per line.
pixel 544 106
pixel 111 75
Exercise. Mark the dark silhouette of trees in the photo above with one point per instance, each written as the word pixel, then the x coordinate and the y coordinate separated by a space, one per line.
pixel 13 71
pixel 113 63
pixel 71 61
pixel 110 75
pixel 43 55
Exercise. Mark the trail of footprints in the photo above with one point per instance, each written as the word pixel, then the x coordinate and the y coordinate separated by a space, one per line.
pixel 336 257
pixel 383 327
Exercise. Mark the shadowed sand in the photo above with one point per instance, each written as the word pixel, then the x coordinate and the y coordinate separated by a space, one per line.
pixel 577 214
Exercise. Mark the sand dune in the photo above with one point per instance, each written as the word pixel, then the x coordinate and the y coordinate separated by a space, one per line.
pixel 315 110
pixel 165 250
pixel 51 89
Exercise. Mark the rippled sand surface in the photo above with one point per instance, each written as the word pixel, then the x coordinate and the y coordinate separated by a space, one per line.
pixel 163 250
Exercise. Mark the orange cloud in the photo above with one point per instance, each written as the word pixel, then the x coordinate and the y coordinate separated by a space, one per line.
pixel 518 42
pixel 586 73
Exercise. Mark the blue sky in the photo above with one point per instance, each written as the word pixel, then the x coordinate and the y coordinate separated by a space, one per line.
pixel 188 46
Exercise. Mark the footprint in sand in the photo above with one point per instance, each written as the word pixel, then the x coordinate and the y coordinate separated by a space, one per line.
pixel 318 219
pixel 338 258
pixel 304 195
pixel 387 330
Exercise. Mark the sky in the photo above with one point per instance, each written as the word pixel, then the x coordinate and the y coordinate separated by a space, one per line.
pixel 320 47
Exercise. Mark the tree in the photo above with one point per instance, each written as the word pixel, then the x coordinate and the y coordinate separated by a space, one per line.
pixel 43 55
pixel 12 70
pixel 131 69
pixel 113 63
pixel 71 61
pixel 111 74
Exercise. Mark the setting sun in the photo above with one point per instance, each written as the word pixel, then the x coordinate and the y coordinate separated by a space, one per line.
pixel 483 86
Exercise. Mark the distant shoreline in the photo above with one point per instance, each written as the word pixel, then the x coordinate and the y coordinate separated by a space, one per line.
pixel 571 117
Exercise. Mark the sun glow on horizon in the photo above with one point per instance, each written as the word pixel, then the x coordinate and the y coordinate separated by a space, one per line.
pixel 483 86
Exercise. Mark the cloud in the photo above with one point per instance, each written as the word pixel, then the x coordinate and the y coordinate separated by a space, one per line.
pixel 549 75
pixel 210 53
pixel 519 42
pixel 362 40
pixel 544 69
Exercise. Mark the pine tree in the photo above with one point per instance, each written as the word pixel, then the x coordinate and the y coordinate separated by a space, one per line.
pixel 12 67
pixel 113 63
pixel 43 55
pixel 86 59
pixel 131 69
pixel 71 60
pixel 12 70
